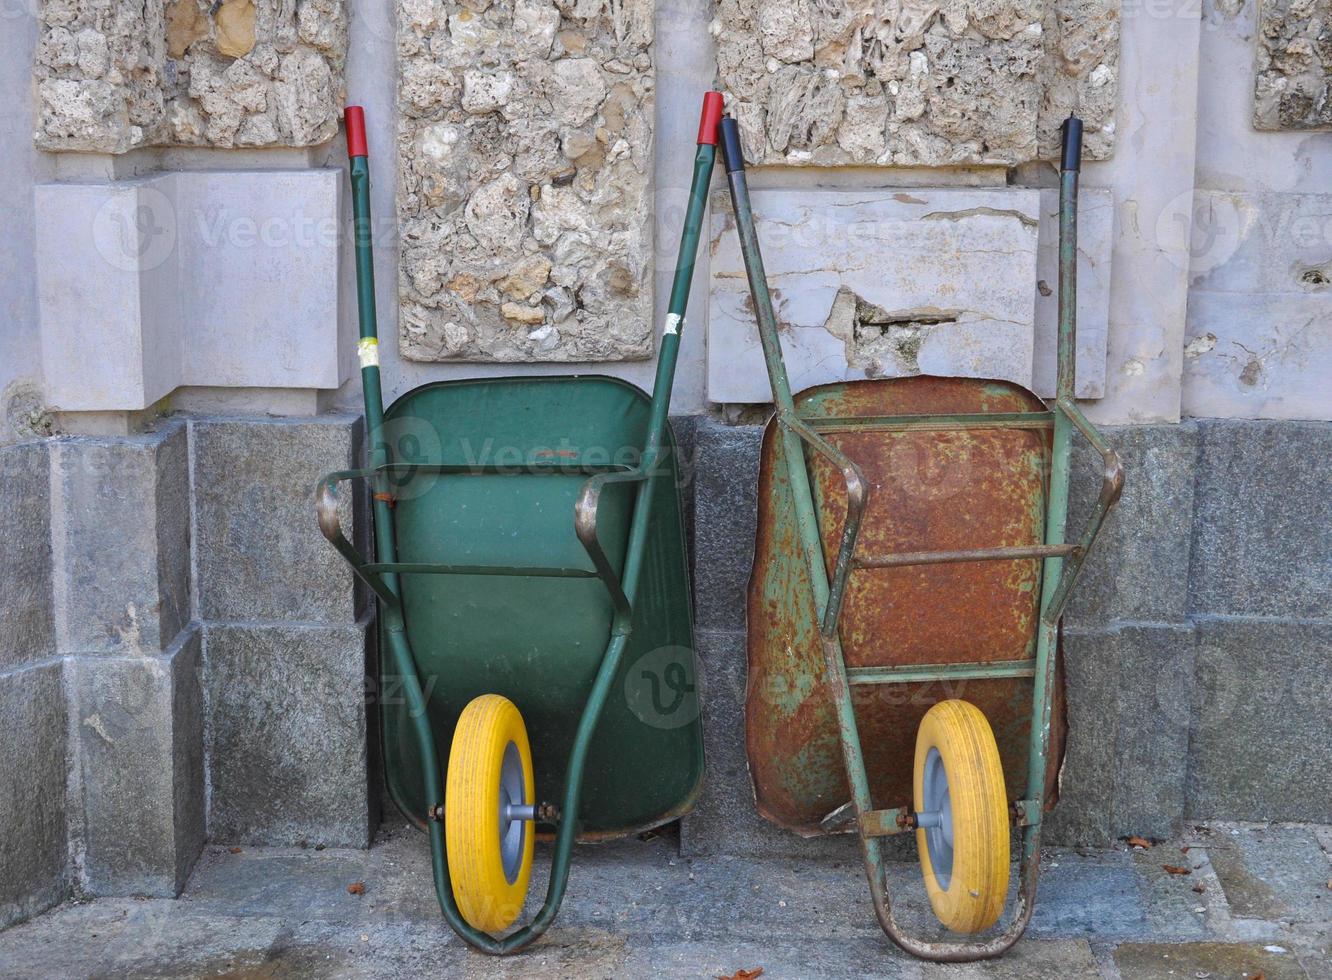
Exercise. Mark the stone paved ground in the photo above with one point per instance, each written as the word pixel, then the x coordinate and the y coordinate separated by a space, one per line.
pixel 1257 902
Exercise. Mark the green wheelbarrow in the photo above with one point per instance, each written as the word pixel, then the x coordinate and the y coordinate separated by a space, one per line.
pixel 535 624
pixel 910 573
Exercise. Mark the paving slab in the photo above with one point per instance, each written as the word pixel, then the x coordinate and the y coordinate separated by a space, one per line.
pixel 1273 872
pixel 1223 961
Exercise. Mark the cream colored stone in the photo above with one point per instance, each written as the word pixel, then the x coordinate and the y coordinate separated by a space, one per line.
pixel 1293 65
pixel 235 28
pixel 519 313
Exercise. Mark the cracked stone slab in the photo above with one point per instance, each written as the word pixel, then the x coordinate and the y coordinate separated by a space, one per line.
pixel 1293 66
pixel 525 180
pixel 113 75
pixel 872 284
pixel 835 82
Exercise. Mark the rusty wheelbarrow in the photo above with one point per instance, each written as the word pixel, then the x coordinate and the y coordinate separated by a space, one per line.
pixel 910 572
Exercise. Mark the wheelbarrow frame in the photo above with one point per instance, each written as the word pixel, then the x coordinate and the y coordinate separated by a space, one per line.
pixel 1061 561
pixel 382 576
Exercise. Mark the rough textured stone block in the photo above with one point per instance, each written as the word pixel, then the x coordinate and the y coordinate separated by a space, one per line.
pixel 1261 731
pixel 830 83
pixel 872 284
pixel 287 735
pixel 1140 564
pixel 1128 695
pixel 119 74
pixel 725 820
pixel 524 180
pixel 161 325
pixel 26 627
pixel 259 553
pixel 33 856
pixel 138 732
pixel 725 515
pixel 121 541
pixel 1292 66
pixel 1261 514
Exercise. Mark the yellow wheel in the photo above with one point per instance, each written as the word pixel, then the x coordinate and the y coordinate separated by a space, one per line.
pixel 962 816
pixel 488 813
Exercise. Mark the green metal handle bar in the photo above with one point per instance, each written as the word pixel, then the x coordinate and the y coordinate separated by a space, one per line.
pixel 793 429
pixel 386 586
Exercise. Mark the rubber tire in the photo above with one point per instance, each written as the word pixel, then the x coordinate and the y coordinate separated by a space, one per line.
pixel 485 897
pixel 978 885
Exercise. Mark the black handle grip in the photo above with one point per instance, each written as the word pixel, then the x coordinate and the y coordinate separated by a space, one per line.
pixel 1072 144
pixel 730 145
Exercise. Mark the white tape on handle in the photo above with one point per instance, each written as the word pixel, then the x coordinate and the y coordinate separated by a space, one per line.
pixel 368 351
pixel 674 321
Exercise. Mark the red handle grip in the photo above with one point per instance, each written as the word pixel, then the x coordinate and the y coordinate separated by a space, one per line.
pixel 354 117
pixel 712 113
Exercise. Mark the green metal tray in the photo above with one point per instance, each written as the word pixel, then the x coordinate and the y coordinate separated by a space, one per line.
pixel 529 444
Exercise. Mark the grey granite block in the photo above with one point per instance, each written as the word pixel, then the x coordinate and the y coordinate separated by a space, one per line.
pixel 138 732
pixel 259 552
pixel 1139 567
pixel 1126 760
pixel 26 627
pixel 1263 519
pixel 286 734
pixel 725 517
pixel 33 856
pixel 1262 733
pixel 120 537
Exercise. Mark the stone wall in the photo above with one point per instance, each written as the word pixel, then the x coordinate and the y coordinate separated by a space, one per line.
pixel 1195 647
pixel 917 82
pixel 120 74
pixel 524 180
pixel 182 656
pixel 1293 66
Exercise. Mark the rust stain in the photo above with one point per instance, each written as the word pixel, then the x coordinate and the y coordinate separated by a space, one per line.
pixel 936 490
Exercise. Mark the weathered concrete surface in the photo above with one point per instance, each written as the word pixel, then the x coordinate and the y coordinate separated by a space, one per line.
pixel 632 909
pixel 258 550
pixel 1293 66
pixel 1168 961
pixel 1257 340
pixel 524 180
pixel 1141 559
pixel 265 315
pixel 121 541
pixel 1261 728
pixel 112 76
pixel 26 626
pixel 1272 872
pixel 287 734
pixel 838 83
pixel 33 856
pixel 1261 516
pixel 1127 756
pixel 1096 213
pixel 878 284
pixel 138 782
